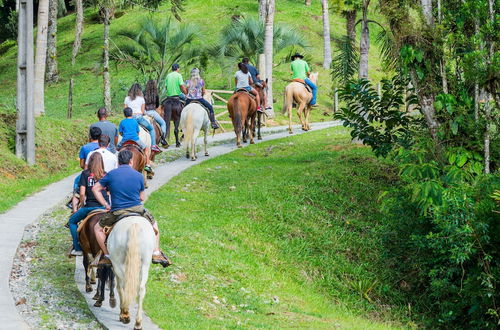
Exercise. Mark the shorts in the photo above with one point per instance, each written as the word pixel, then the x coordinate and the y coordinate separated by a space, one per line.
pixel 247 88
pixel 110 218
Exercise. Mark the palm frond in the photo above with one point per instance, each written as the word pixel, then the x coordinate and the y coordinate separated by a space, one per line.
pixel 345 63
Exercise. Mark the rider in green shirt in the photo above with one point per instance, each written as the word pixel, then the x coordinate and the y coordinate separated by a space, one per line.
pixel 175 84
pixel 300 70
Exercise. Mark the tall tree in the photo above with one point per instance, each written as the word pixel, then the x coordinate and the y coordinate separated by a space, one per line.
pixel 268 48
pixel 105 12
pixel 364 44
pixel 78 30
pixel 51 74
pixel 40 56
pixel 327 49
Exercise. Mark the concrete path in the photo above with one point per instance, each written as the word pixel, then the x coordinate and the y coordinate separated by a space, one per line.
pixel 13 222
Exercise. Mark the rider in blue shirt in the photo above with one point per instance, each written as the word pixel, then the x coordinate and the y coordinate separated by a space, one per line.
pixel 126 187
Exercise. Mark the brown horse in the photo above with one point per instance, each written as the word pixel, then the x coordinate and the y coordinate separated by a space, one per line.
pixel 139 159
pixel 260 89
pixel 296 93
pixel 91 249
pixel 242 110
pixel 172 109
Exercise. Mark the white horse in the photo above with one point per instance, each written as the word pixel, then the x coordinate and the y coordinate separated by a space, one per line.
pixel 131 244
pixel 194 118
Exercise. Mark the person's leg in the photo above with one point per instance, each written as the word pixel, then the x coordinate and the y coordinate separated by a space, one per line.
pixel 159 120
pixel 142 121
pixel 157 235
pixel 101 238
pixel 73 225
pixel 211 114
pixel 257 97
pixel 314 90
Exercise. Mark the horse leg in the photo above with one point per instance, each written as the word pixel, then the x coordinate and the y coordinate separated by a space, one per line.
pixel 307 111
pixel 124 314
pixel 299 113
pixel 88 286
pixel 92 276
pixel 290 130
pixel 252 129
pixel 259 123
pixel 141 293
pixel 176 132
pixel 205 141
pixel 167 115
pixel 112 299
pixel 101 274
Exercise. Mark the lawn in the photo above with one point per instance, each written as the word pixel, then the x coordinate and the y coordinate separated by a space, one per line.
pixel 277 235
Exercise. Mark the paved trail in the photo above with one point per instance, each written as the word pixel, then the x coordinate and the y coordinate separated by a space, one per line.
pixel 13 222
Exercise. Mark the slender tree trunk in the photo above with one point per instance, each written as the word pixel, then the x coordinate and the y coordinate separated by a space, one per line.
pixel 41 54
pixel 52 75
pixel 426 102
pixel 427 11
pixel 78 30
pixel 262 10
pixel 106 13
pixel 364 44
pixel 350 17
pixel 487 105
pixel 268 48
pixel 327 50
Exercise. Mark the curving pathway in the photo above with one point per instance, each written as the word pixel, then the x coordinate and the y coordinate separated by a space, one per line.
pixel 13 222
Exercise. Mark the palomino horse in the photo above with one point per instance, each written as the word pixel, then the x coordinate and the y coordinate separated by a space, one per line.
pixel 242 110
pixel 296 93
pixel 91 249
pixel 172 108
pixel 193 119
pixel 131 244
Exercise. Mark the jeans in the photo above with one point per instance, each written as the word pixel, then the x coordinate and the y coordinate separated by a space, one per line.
pixel 142 121
pixel 158 119
pixel 75 219
pixel 314 90
pixel 204 102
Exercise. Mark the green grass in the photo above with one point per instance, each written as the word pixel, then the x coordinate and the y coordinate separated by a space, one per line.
pixel 278 235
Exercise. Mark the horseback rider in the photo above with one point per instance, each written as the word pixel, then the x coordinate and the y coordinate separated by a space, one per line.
pixel 107 128
pixel 256 79
pixel 94 134
pixel 109 159
pixel 88 202
pixel 129 129
pixel 135 101
pixel 152 103
pixel 243 79
pixel 126 187
pixel 175 84
pixel 196 89
pixel 300 71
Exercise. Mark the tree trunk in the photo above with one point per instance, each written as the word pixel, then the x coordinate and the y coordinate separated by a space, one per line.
pixel 350 17
pixel 262 10
pixel 308 3
pixel 427 11
pixel 41 54
pixel 106 13
pixel 78 30
pixel 268 49
pixel 364 44
pixel 426 102
pixel 487 105
pixel 327 50
pixel 52 75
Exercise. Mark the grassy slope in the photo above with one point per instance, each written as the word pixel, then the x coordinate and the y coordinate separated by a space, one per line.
pixel 17 180
pixel 293 244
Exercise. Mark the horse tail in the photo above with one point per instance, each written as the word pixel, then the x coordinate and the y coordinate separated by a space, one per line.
pixel 188 134
pixel 236 115
pixel 132 266
pixel 167 115
pixel 288 99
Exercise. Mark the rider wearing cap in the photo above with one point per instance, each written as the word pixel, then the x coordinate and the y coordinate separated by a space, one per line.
pixel 175 84
pixel 256 79
pixel 300 70
pixel 126 187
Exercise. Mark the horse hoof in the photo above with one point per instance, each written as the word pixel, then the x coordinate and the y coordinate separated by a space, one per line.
pixel 239 146
pixel 125 319
pixel 178 145
pixel 93 281
pixel 88 288
pixel 290 132
pixel 206 154
pixel 138 327
pixel 259 138
pixel 252 142
pixel 112 302
pixel 193 158
pixel 98 303
pixel 96 296
pixel 187 155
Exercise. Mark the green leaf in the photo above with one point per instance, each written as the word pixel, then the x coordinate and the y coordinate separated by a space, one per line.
pixel 438 105
pixel 454 127
pixel 462 159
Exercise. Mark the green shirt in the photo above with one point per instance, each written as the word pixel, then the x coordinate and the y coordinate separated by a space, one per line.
pixel 173 82
pixel 300 69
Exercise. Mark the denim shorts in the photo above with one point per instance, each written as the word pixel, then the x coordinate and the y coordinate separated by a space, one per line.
pixel 247 88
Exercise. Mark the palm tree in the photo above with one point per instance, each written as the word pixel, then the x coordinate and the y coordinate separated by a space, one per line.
pixel 327 49
pixel 268 48
pixel 154 49
pixel 78 30
pixel 364 44
pixel 41 54
pixel 245 38
pixel 51 74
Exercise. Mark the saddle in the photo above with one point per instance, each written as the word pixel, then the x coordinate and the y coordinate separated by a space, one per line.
pixel 202 105
pixel 107 229
pixel 303 83
pixel 82 235
pixel 245 91
pixel 132 144
pixel 176 98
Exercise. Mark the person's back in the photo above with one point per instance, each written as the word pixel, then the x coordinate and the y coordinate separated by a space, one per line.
pixel 300 69
pixel 109 159
pixel 107 128
pixel 253 72
pixel 129 128
pixel 173 82
pixel 125 185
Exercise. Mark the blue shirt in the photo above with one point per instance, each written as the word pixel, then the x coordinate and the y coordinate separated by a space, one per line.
pixel 253 72
pixel 129 129
pixel 86 149
pixel 124 185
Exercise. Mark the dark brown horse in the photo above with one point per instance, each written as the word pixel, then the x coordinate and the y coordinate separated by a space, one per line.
pixel 260 89
pixel 242 110
pixel 172 109
pixel 91 249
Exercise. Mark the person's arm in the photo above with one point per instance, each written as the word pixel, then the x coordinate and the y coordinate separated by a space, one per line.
pixel 143 108
pixel 250 80
pixel 97 190
pixel 82 197
pixel 308 70
pixel 184 89
pixel 142 196
pixel 236 81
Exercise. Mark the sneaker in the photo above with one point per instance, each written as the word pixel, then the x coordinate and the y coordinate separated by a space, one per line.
pixel 76 253
pixel 315 105
pixel 215 126
pixel 148 169
pixel 161 258
pixel 259 109
pixel 155 149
